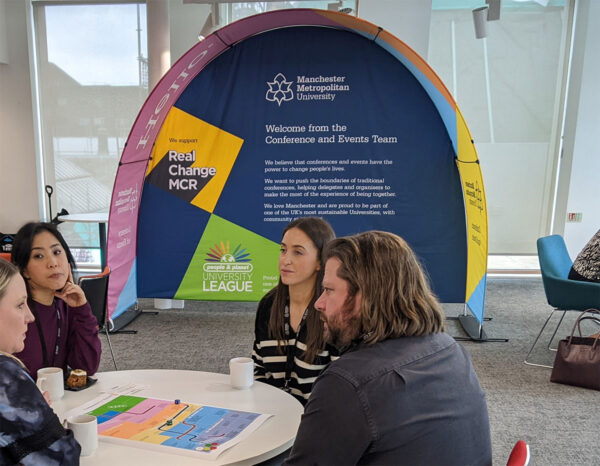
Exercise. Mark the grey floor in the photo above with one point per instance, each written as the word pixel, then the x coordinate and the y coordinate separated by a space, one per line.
pixel 561 423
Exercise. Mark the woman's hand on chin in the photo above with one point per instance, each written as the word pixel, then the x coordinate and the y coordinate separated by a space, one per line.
pixel 71 294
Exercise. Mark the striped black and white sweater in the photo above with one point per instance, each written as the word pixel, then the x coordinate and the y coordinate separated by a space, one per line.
pixel 270 362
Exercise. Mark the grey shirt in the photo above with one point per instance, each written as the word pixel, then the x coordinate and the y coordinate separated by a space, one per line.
pixel 404 401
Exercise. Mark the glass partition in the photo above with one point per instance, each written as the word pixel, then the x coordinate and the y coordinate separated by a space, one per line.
pixel 509 88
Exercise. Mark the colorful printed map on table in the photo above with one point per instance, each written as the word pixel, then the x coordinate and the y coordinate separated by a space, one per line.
pixel 189 429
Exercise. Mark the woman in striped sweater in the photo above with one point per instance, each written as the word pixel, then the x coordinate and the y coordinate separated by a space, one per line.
pixel 289 351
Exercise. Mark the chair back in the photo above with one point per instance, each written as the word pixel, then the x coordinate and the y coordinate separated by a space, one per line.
pixel 520 455
pixel 95 288
pixel 554 257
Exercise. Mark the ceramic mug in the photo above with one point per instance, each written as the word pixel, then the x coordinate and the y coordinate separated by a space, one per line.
pixel 51 380
pixel 85 431
pixel 241 371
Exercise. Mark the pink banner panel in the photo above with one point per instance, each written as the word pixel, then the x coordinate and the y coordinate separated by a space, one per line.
pixel 164 95
pixel 122 227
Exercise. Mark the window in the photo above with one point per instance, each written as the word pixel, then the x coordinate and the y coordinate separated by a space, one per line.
pixel 92 62
pixel 508 87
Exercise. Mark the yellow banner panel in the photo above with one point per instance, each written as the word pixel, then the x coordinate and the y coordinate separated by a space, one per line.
pixel 197 150
pixel 475 206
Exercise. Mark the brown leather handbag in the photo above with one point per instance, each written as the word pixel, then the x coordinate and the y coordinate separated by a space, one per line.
pixel 577 359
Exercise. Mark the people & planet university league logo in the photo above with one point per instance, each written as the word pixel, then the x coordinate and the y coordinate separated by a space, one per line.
pixel 226 270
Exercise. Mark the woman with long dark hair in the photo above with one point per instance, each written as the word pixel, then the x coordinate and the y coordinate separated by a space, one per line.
pixel 65 332
pixel 289 351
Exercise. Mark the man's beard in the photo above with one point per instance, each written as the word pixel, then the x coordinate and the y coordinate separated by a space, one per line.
pixel 342 336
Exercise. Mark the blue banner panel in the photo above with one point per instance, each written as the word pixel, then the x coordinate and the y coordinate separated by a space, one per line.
pixel 334 126
pixel 168 234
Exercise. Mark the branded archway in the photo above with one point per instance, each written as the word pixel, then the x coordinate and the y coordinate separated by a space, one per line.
pixel 287 114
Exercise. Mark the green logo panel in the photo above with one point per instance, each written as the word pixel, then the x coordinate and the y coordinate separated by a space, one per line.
pixel 230 264
pixel 120 404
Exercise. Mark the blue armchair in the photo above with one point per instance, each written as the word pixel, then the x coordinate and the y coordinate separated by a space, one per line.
pixel 563 294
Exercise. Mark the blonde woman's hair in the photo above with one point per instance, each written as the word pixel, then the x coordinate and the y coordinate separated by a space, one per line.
pixel 17 360
pixel 7 273
pixel 396 300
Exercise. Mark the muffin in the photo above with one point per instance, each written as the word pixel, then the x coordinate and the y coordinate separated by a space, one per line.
pixel 77 378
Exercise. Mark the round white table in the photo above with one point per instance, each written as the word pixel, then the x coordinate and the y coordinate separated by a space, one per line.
pixel 271 438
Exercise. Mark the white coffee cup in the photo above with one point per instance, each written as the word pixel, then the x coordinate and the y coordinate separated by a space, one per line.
pixel 241 371
pixel 51 380
pixel 85 430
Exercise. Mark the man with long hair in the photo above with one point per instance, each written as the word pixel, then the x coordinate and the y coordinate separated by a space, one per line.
pixel 403 391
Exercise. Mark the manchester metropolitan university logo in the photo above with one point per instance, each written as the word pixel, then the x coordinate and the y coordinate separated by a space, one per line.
pixel 280 90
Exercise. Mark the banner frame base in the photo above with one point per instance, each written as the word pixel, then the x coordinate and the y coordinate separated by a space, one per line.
pixel 474 330
pixel 125 318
